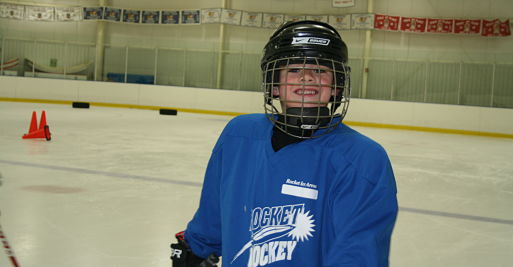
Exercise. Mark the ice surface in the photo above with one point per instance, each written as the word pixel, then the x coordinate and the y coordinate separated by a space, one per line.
pixel 114 185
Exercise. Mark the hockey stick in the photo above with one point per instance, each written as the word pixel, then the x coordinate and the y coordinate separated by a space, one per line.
pixel 7 248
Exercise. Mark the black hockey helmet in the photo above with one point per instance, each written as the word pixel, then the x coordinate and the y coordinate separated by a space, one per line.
pixel 305 39
pixel 305 43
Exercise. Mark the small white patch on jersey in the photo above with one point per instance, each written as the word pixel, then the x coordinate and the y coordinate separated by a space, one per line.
pixel 310 40
pixel 299 191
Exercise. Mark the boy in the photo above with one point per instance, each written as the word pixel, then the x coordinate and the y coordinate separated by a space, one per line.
pixel 295 187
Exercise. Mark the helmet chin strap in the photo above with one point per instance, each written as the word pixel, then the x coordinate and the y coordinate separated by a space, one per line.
pixel 304 121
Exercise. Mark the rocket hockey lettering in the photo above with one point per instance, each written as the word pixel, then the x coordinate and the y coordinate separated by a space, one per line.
pixel 268 224
pixel 273 216
pixel 271 252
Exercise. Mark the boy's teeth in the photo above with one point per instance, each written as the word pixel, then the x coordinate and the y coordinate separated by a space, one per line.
pixel 306 92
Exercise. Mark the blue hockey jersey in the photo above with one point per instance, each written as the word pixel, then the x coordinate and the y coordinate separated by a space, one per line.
pixel 323 202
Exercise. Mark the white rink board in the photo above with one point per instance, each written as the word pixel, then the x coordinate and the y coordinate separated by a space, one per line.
pixel 481 119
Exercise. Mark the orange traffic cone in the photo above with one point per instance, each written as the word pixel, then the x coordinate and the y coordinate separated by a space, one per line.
pixel 33 123
pixel 42 132
pixel 42 122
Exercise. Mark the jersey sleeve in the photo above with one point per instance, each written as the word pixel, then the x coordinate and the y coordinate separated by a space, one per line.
pixel 203 232
pixel 364 209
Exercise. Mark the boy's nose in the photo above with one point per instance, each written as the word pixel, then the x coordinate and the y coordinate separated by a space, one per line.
pixel 307 75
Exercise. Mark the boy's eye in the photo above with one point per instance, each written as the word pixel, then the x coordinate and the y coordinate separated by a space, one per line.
pixel 319 71
pixel 297 70
pixel 294 70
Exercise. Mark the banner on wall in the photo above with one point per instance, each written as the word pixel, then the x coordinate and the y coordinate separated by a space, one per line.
pixel 112 14
pixel 340 22
pixel 468 26
pixel 68 13
pixel 385 22
pixel 343 3
pixel 440 25
pixel 320 18
pixel 231 16
pixel 413 24
pixel 496 27
pixel 484 27
pixel 272 20
pixel 362 21
pixel 132 16
pixel 39 13
pixel 151 17
pixel 294 17
pixel 190 16
pixel 93 13
pixel 12 11
pixel 251 19
pixel 211 15
pixel 170 17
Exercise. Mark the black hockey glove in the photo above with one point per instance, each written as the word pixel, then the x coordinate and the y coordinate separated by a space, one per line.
pixel 182 256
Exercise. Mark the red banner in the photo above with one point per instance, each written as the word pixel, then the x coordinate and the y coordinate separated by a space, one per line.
pixel 470 26
pixel 440 25
pixel 496 28
pixel 413 24
pixel 385 22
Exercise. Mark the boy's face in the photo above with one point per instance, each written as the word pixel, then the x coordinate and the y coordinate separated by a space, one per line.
pixel 304 85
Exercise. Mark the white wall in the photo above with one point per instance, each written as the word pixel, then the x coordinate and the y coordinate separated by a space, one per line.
pixel 389 45
pixel 492 120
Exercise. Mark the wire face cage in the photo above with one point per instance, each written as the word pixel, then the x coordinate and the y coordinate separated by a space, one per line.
pixel 306 97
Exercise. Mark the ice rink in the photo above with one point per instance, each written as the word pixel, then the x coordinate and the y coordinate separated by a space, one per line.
pixel 113 186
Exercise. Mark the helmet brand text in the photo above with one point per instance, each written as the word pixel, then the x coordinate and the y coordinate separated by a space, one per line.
pixel 310 40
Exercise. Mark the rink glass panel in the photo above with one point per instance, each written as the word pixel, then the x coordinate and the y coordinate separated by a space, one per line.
pixel 444 82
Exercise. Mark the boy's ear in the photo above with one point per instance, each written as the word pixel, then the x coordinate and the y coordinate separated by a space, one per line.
pixel 276 91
